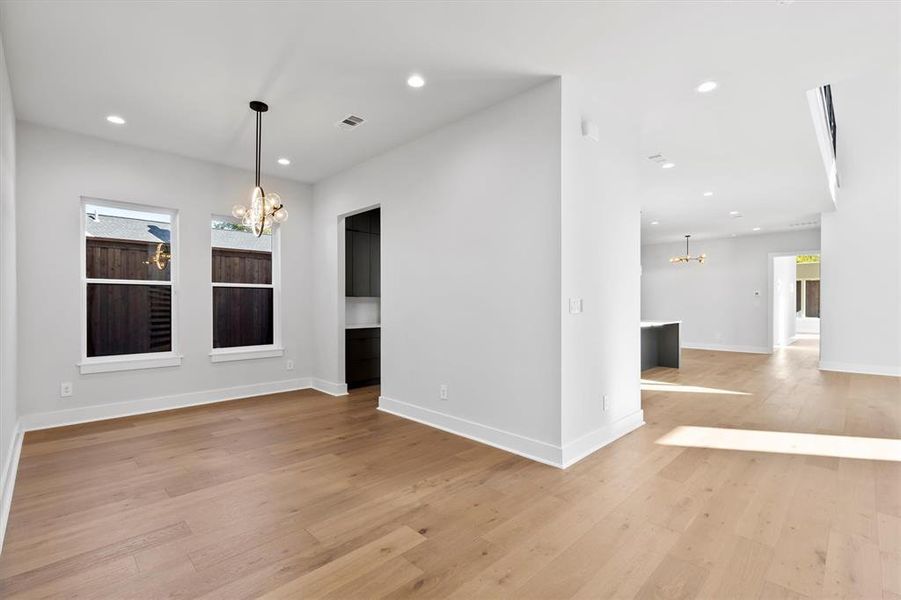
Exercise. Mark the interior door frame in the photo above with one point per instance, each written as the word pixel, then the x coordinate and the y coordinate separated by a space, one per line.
pixel 342 288
pixel 770 317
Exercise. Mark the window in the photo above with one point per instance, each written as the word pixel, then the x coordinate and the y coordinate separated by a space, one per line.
pixel 807 301
pixel 245 292
pixel 807 292
pixel 128 286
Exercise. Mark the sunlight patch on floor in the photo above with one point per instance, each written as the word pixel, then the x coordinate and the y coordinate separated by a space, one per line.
pixel 649 385
pixel 784 442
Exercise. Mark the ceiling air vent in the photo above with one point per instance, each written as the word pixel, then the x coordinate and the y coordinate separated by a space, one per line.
pixel 349 122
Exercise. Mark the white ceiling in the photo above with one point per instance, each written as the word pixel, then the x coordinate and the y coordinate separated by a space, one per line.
pixel 182 74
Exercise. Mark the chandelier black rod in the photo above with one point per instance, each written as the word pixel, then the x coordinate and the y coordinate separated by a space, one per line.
pixel 259 141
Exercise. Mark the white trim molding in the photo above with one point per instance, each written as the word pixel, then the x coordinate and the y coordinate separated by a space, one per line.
pixel 543 452
pixel 536 450
pixel 8 480
pixel 329 387
pixel 593 441
pixel 245 353
pixel 128 362
pixel 886 370
pixel 87 414
pixel 726 348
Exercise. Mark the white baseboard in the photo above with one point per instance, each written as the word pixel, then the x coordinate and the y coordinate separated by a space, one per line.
pixel 543 452
pixel 536 450
pixel 8 480
pixel 329 387
pixel 597 439
pixel 887 370
pixel 86 414
pixel 726 348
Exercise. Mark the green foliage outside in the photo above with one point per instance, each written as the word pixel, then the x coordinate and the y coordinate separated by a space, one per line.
pixel 230 226
pixel 808 259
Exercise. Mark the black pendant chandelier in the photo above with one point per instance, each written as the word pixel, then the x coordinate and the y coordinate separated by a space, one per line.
pixel 265 209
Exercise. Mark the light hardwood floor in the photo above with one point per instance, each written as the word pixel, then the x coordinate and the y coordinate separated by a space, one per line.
pixel 306 495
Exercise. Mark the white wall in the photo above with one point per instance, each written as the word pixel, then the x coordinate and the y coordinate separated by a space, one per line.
pixel 470 258
pixel 55 169
pixel 8 411
pixel 784 291
pixel 807 325
pixel 600 264
pixel 861 258
pixel 716 301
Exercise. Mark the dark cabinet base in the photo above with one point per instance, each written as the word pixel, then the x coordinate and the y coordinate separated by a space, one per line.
pixel 660 346
pixel 362 357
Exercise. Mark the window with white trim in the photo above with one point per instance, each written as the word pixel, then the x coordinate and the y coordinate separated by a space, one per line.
pixel 245 288
pixel 129 264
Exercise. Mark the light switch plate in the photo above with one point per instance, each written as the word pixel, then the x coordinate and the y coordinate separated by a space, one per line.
pixel 575 306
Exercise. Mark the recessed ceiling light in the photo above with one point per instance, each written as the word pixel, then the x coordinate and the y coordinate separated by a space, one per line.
pixel 756 229
pixel 708 194
pixel 734 213
pixel 415 81
pixel 116 120
pixel 655 222
pixel 284 162
pixel 667 165
pixel 707 86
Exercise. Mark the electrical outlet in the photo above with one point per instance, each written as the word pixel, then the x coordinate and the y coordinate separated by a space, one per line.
pixel 442 393
pixel 289 365
pixel 606 403
pixel 65 389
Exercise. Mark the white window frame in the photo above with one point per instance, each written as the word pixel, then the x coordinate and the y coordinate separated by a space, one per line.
pixel 128 362
pixel 273 350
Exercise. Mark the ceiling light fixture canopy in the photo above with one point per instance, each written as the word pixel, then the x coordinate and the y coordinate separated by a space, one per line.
pixel 265 209
pixel 687 257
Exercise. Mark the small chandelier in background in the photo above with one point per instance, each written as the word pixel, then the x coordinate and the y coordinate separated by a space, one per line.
pixel 265 209
pixel 687 257
pixel 160 258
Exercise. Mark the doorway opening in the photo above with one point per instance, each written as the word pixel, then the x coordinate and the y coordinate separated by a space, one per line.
pixel 795 300
pixel 362 298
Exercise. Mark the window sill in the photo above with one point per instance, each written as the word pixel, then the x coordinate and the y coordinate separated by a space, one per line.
pixel 246 353
pixel 128 363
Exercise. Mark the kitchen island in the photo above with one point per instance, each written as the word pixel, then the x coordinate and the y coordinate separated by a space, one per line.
pixel 660 345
